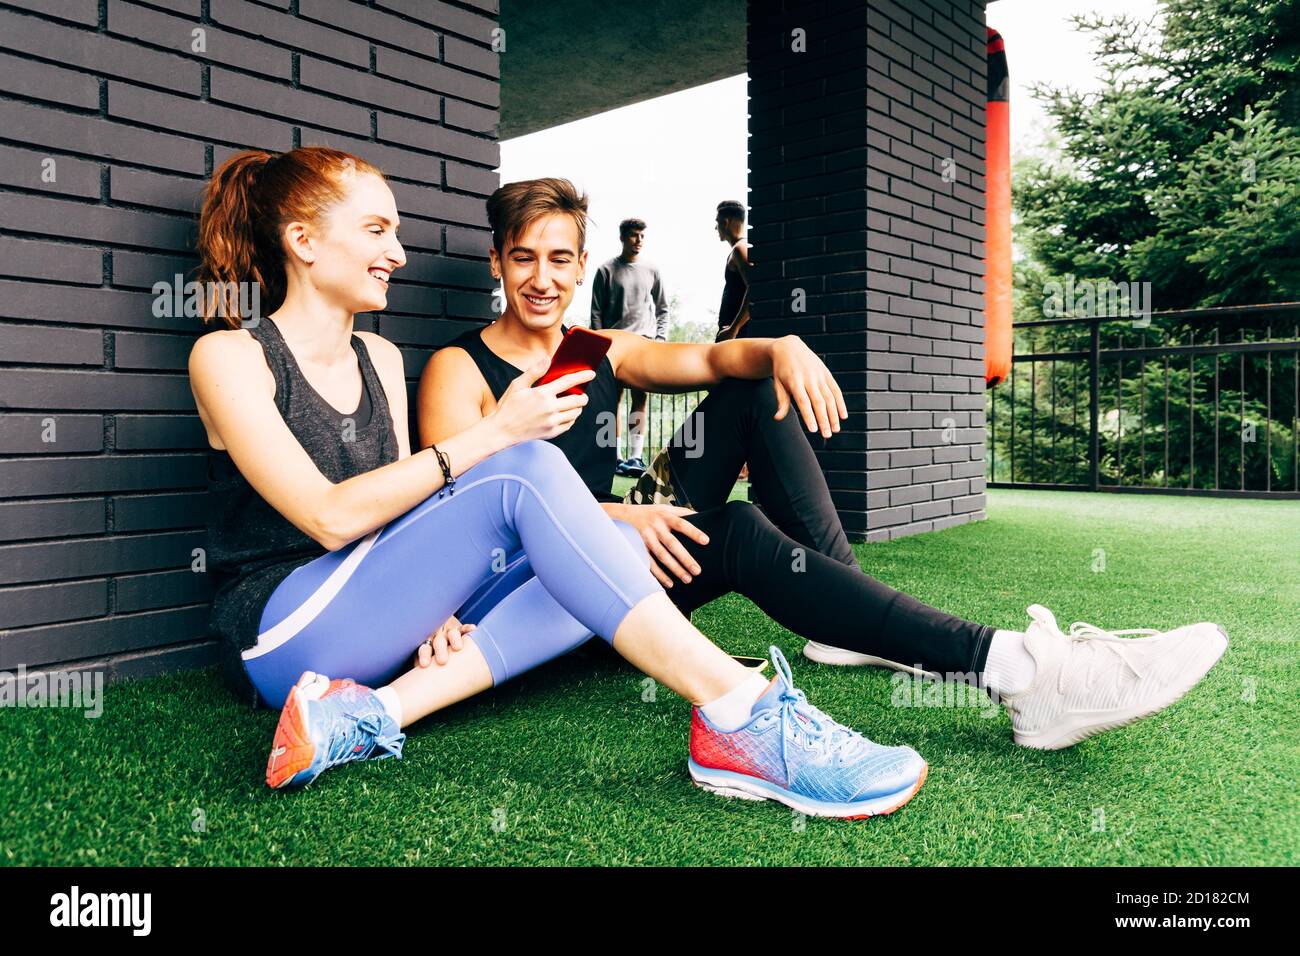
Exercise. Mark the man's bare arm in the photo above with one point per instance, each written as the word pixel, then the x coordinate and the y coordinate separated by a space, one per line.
pixel 683 366
pixel 450 396
pixel 799 377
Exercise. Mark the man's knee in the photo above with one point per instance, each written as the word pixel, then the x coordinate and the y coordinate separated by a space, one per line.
pixel 750 531
pixel 758 392
pixel 744 514
pixel 763 395
pixel 744 524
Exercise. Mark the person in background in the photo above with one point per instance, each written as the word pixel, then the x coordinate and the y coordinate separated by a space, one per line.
pixel 733 312
pixel 628 294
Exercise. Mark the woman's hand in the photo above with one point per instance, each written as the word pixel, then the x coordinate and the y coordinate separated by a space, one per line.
pixel 659 526
pixel 524 413
pixel 450 635
pixel 798 375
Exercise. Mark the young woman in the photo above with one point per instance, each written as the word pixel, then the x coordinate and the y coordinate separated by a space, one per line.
pixel 339 551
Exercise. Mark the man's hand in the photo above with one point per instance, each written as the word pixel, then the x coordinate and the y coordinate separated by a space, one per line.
pixel 799 376
pixel 656 524
pixel 450 635
pixel 525 412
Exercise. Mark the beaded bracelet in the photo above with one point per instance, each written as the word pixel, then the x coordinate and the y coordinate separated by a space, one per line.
pixel 449 483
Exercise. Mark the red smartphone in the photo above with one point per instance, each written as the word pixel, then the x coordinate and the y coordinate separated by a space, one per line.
pixel 580 348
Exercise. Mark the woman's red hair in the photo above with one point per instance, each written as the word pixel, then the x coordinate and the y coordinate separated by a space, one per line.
pixel 247 203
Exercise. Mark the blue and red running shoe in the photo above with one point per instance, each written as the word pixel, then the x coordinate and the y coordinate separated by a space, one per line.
pixel 325 723
pixel 792 752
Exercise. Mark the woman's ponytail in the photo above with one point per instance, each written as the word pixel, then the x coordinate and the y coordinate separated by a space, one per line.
pixel 228 241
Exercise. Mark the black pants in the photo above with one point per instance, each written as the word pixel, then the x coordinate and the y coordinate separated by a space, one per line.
pixel 792 558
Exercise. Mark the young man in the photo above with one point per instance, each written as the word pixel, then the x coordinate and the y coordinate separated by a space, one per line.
pixel 733 312
pixel 628 294
pixel 792 558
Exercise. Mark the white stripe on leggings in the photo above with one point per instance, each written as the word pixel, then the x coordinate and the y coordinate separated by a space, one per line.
pixel 306 612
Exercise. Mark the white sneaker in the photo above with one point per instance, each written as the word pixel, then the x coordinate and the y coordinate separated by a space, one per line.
pixel 827 654
pixel 1091 680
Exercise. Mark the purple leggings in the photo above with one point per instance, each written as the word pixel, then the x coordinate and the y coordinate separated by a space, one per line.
pixel 362 611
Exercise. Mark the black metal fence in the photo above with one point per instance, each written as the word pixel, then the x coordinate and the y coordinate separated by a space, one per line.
pixel 1202 401
pixel 665 415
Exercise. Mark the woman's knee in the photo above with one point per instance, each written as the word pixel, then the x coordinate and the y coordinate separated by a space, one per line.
pixel 533 460
pixel 634 539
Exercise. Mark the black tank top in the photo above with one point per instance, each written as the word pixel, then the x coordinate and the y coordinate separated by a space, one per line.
pixel 733 296
pixel 589 443
pixel 251 546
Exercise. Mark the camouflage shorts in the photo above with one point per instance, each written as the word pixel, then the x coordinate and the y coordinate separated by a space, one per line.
pixel 655 486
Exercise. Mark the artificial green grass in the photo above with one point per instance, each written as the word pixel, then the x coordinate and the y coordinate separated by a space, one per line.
pixel 571 765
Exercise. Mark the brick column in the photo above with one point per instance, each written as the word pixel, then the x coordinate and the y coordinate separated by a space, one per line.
pixel 867 222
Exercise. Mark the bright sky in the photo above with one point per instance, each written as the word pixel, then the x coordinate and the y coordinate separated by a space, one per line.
pixel 670 160
pixel 1043 46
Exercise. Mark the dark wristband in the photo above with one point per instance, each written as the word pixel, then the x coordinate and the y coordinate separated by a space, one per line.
pixel 444 462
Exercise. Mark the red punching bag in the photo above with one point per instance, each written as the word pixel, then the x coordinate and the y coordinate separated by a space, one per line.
pixel 997 261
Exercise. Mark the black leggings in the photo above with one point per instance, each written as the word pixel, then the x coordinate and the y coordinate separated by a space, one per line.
pixel 792 558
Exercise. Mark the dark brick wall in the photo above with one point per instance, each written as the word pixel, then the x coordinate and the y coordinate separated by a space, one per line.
pixel 849 145
pixel 97 527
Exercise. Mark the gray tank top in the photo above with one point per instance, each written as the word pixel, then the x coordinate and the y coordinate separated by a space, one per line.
pixel 251 547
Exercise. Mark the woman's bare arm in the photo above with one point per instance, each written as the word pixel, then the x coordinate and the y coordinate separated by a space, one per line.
pixel 391 369
pixel 234 391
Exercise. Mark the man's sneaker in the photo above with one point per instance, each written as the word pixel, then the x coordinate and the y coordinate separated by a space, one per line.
pixel 842 657
pixel 631 467
pixel 1090 680
pixel 792 752
pixel 325 723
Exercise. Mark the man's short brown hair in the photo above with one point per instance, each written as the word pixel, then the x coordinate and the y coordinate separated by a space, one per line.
pixel 516 206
